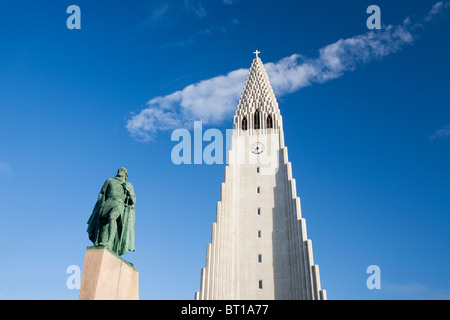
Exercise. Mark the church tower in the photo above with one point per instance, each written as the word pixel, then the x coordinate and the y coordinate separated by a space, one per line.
pixel 259 249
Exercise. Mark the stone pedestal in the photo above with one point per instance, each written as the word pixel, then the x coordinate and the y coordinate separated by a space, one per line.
pixel 106 276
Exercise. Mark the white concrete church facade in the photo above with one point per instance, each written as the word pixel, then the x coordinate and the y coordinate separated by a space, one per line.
pixel 259 247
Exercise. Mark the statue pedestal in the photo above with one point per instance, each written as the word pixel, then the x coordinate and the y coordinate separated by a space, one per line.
pixel 106 276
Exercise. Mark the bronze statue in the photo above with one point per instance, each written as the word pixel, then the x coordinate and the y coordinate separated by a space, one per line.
pixel 112 222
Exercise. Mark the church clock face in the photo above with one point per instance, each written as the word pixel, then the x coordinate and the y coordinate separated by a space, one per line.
pixel 257 147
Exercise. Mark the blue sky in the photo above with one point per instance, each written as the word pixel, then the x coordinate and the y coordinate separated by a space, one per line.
pixel 367 128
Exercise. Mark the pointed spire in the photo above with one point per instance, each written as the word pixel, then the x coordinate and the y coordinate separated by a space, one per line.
pixel 257 97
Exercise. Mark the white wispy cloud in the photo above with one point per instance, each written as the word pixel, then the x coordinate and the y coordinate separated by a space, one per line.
pixel 214 100
pixel 437 8
pixel 196 8
pixel 209 100
pixel 293 73
pixel 442 133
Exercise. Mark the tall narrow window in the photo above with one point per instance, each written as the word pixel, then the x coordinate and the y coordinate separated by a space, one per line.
pixel 259 233
pixel 256 122
pixel 259 258
pixel 259 211
pixel 257 169
pixel 244 123
pixel 269 122
pixel 258 190
pixel 260 284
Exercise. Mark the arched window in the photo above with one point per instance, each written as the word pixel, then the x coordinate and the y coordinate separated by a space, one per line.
pixel 244 123
pixel 256 123
pixel 269 122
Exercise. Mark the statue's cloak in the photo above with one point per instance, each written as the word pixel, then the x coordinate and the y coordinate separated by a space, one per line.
pixel 124 242
pixel 94 226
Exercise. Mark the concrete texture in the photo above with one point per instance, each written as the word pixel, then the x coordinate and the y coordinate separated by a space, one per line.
pixel 259 247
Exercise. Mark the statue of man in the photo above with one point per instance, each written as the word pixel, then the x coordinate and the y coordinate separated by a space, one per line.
pixel 112 222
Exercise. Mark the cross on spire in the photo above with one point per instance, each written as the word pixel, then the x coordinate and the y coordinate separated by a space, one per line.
pixel 257 52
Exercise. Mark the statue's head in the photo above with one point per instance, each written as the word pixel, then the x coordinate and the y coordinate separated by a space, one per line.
pixel 122 172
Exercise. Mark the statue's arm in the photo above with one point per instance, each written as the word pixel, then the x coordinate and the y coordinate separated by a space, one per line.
pixel 103 190
pixel 132 196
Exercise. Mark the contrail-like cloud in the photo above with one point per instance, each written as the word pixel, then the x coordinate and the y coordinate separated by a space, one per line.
pixel 214 100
